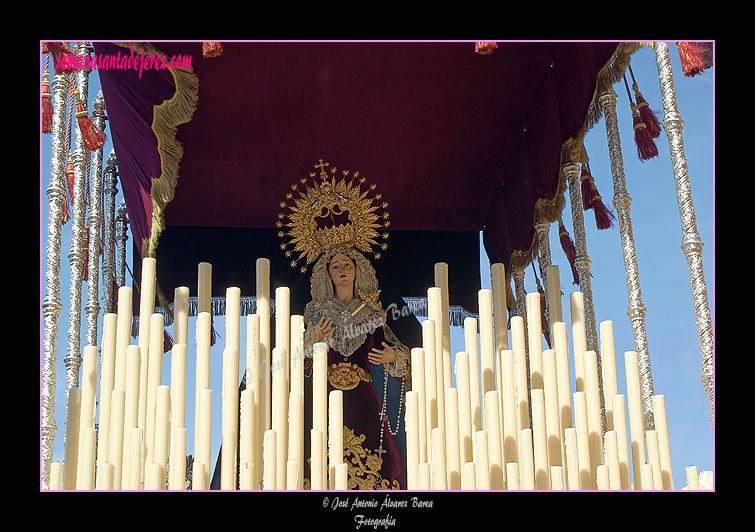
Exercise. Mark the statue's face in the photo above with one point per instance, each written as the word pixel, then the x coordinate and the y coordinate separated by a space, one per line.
pixel 342 271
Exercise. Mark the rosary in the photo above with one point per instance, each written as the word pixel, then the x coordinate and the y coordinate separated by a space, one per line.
pixel 383 416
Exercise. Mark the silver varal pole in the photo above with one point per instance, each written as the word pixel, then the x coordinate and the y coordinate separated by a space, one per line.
pixel 622 201
pixel 95 225
pixel 583 264
pixel 76 253
pixel 544 260
pixel 51 304
pixel 108 234
pixel 121 236
pixel 692 245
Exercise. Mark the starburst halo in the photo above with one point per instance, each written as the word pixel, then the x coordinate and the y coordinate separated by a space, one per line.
pixel 327 211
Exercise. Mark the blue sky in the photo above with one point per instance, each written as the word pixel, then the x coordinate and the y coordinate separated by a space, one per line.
pixel 664 279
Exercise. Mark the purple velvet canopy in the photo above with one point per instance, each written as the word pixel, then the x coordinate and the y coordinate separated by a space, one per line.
pixel 456 142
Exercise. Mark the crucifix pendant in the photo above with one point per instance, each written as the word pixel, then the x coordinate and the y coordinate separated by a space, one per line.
pixel 379 451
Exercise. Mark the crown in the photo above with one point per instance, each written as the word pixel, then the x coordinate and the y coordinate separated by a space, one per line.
pixel 331 212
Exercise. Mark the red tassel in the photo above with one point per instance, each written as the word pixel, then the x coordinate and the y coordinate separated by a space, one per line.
pixel 91 135
pixel 485 47
pixel 568 246
pixel 58 50
pixel 69 191
pixel 46 105
pixel 586 188
pixel 647 115
pixel 604 218
pixel 691 58
pixel 646 148
pixel 211 49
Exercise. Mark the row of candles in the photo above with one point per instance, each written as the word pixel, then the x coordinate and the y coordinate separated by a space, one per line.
pixel 510 421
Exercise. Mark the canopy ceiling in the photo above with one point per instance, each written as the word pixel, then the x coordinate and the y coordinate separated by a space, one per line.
pixel 455 141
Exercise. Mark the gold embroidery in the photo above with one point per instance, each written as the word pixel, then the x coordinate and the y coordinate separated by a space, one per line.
pixel 345 376
pixel 363 466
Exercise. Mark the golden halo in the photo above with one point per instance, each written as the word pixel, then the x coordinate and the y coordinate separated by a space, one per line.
pixel 331 212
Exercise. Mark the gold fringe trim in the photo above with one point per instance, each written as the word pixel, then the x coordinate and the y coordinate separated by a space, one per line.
pixel 549 210
pixel 167 116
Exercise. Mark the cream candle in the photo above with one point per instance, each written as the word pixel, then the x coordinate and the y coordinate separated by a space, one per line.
pixel 693 479
pixel 297 353
pixel 292 474
pixel 552 421
pixel 178 385
pixel 424 477
pixel 107 380
pixel 131 411
pixel 611 446
pixel 296 433
pixel 154 375
pixel 586 467
pixel 280 413
pixel 115 452
pixel 440 473
pixel 202 363
pixel 431 379
pixel 539 439
pixel 85 474
pixel 203 434
pixel 453 452
pixel 520 368
pixel 180 315
pixel 146 309
pixel 470 346
pixel 123 335
pixel 620 427
pixel 563 377
pixel 608 363
pixel 342 476
pixel 498 286
pixel 487 347
pixel 441 282
pixel 246 424
pixel 198 476
pixel 482 479
pixel 283 325
pixel 510 432
pixel 418 386
pixel 661 427
pixel 468 476
pixel 317 459
pixel 601 478
pixel 229 406
pixel 553 293
pixel 634 408
pixel 411 426
pixel 646 476
pixel 572 458
pixel 56 476
pixel 248 477
pixel 104 480
pixel 535 340
pixel 263 311
pixel 162 427
pixel 461 364
pixel 177 466
pixel 579 337
pixel 493 430
pixel 254 375
pixel 592 399
pixel 512 476
pixel 526 465
pixel 320 387
pixel 204 287
pixel 654 459
pixel 269 448
pixel 227 459
pixel 88 384
pixel 556 478
pixel 232 316
pixel 136 460
pixel 335 433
